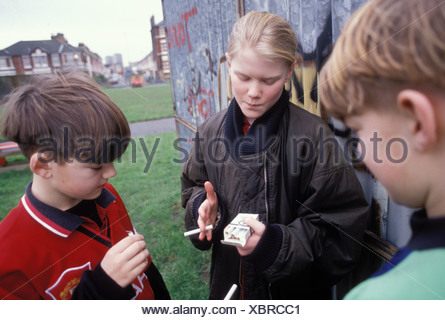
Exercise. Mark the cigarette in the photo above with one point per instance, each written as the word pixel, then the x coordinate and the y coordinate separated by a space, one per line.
pixel 229 230
pixel 195 231
pixel 231 292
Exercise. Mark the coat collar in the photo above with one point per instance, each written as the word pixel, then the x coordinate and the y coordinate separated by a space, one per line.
pixel 260 132
pixel 57 221
pixel 428 233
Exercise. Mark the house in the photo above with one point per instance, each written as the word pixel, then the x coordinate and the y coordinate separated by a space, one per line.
pixel 146 67
pixel 160 50
pixel 113 65
pixel 48 56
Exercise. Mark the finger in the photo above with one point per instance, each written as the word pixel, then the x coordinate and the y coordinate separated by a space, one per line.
pixel 133 250
pixel 257 226
pixel 131 269
pixel 209 235
pixel 137 261
pixel 211 195
pixel 202 227
pixel 203 210
pixel 123 244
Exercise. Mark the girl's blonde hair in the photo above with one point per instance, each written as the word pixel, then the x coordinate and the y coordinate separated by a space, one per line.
pixel 269 35
pixel 385 46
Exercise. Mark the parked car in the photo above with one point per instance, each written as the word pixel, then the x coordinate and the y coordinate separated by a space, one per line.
pixel 114 79
pixel 137 81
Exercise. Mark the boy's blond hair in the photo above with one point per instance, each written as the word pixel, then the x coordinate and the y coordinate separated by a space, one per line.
pixel 386 45
pixel 269 35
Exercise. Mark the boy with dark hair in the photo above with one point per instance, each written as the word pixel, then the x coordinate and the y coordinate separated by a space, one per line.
pixel 71 237
pixel 385 80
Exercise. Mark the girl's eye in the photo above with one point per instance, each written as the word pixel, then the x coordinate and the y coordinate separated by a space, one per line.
pixel 97 168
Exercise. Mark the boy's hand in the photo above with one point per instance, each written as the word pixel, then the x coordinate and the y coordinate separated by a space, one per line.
pixel 207 211
pixel 258 230
pixel 126 260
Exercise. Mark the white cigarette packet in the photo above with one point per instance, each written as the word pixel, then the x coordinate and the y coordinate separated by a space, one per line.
pixel 237 232
pixel 196 231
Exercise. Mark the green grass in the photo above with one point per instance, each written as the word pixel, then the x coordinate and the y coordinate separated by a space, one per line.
pixel 145 103
pixel 153 202
pixel 12 187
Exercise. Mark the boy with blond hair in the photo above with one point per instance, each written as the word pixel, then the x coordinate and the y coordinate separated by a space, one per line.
pixel 308 199
pixel 70 237
pixel 385 80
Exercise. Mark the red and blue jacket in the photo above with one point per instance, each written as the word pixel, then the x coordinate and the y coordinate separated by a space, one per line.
pixel 47 253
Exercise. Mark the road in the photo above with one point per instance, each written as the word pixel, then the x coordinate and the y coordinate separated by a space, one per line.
pixel 145 128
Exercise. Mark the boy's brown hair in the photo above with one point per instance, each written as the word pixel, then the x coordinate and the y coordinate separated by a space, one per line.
pixel 65 116
pixel 386 45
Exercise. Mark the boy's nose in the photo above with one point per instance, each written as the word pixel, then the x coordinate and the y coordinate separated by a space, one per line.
pixel 255 90
pixel 109 171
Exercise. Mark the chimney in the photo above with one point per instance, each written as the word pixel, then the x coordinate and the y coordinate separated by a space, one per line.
pixel 59 37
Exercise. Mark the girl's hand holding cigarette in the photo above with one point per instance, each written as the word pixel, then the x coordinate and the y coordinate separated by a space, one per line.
pixel 207 212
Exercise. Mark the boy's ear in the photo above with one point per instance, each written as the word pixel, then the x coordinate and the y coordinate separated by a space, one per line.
pixel 421 108
pixel 228 61
pixel 40 166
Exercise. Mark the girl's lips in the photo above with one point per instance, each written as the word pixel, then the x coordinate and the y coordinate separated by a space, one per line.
pixel 253 105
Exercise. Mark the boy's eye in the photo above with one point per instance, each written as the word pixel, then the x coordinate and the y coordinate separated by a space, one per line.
pixel 97 168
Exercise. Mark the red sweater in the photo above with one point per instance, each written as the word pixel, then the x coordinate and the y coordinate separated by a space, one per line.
pixel 46 253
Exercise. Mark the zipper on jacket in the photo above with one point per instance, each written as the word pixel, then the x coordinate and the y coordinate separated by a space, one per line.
pixel 266 187
pixel 266 200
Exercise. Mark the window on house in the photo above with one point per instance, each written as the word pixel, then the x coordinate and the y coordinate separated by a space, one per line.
pixel 26 62
pixel 164 46
pixel 56 59
pixel 40 60
pixel 4 63
pixel 69 58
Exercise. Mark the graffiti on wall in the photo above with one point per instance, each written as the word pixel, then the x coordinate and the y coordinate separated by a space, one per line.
pixel 177 35
pixel 197 99
pixel 304 81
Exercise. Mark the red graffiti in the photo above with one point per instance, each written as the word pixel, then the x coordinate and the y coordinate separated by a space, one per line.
pixel 204 105
pixel 177 35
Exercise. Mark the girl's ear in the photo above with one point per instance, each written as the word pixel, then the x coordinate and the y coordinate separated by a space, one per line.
pixel 421 109
pixel 40 165
pixel 289 73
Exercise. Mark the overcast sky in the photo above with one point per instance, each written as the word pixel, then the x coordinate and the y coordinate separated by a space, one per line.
pixel 105 26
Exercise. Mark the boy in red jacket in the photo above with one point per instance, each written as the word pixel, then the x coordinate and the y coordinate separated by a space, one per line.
pixel 71 237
